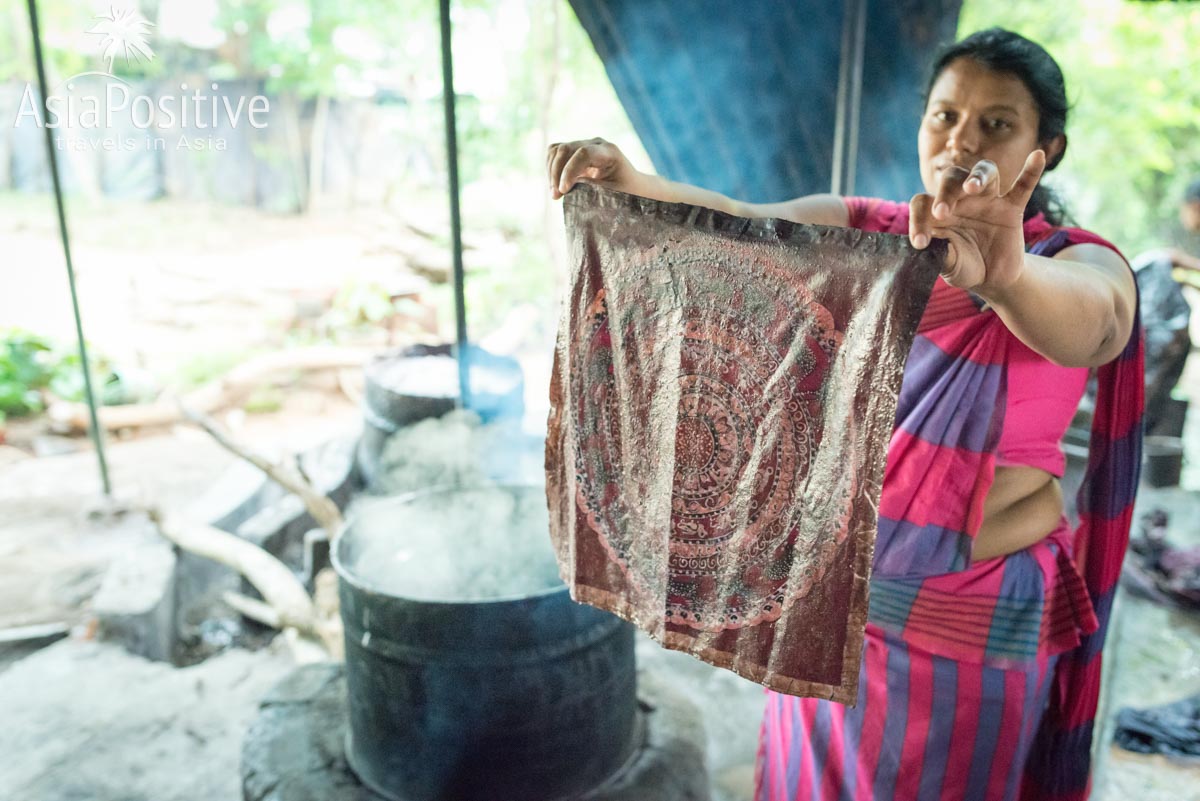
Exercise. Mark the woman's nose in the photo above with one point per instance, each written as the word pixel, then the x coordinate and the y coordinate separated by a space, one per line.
pixel 963 139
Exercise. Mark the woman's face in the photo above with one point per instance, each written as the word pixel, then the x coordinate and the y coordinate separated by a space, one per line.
pixel 974 113
pixel 1189 216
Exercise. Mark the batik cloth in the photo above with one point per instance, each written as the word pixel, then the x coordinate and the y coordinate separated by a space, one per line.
pixel 981 678
pixel 723 393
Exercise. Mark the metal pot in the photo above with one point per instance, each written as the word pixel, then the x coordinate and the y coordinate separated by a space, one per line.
pixel 529 697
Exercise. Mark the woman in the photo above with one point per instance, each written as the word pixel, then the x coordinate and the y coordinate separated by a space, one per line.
pixel 981 619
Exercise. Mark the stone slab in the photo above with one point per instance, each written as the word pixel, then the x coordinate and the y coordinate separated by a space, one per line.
pixel 294 750
pixel 136 602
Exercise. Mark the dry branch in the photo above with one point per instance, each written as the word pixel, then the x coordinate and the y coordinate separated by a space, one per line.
pixel 281 590
pixel 322 509
pixel 311 634
pixel 228 390
pixel 253 608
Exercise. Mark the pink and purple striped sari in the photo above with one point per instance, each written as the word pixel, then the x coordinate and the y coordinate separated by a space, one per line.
pixel 980 680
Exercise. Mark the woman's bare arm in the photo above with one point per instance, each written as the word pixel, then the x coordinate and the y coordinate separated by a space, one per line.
pixel 1075 309
pixel 599 162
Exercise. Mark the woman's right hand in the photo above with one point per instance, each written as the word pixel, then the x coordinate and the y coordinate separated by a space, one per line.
pixel 593 161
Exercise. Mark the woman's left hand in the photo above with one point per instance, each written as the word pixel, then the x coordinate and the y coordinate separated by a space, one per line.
pixel 983 225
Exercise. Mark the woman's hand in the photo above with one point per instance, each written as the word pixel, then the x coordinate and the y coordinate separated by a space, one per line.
pixel 983 224
pixel 593 161
pixel 1075 308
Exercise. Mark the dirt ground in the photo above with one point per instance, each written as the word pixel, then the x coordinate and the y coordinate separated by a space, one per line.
pixel 53 557
pixel 1153 657
pixel 182 289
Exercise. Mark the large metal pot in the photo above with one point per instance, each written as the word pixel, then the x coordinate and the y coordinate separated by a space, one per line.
pixel 528 697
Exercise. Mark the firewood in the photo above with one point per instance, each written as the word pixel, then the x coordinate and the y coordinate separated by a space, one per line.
pixel 322 509
pixel 253 608
pixel 280 589
pixel 221 393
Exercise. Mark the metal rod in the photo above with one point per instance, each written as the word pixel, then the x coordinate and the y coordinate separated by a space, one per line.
pixel 460 302
pixel 856 85
pixel 849 97
pixel 839 108
pixel 96 432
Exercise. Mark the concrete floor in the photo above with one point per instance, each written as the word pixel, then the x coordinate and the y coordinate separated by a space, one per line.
pixel 1155 659
pixel 87 721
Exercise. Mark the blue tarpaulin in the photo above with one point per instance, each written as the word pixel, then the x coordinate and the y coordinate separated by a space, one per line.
pixel 741 97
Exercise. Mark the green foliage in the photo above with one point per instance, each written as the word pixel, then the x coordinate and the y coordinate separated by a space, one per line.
pixel 315 47
pixel 31 366
pixel 264 401
pixel 550 85
pixel 67 382
pixel 26 368
pixel 297 56
pixel 205 366
pixel 66 44
pixel 1134 129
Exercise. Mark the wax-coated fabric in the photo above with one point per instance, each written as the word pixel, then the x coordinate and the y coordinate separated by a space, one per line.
pixel 723 395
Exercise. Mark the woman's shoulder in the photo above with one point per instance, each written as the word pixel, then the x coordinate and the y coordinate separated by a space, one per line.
pixel 1043 238
pixel 876 214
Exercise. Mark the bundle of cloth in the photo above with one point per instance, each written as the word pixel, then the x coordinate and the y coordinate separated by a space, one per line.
pixel 1172 730
pixel 1160 571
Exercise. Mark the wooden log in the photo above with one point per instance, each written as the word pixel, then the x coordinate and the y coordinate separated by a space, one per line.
pixel 281 590
pixel 35 634
pixel 224 392
pixel 252 608
pixel 322 509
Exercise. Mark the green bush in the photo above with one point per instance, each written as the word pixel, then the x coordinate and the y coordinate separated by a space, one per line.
pixel 32 366
pixel 26 368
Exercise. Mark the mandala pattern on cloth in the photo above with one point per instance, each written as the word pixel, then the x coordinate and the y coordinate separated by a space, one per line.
pixel 721 402
pixel 738 381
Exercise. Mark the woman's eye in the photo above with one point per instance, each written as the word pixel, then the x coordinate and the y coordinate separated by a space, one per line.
pixel 999 125
pixel 944 116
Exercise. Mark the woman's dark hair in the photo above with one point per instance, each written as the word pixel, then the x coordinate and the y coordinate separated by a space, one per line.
pixel 1192 193
pixel 1012 54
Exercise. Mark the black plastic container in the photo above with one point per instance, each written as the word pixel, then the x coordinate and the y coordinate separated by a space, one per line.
pixel 386 409
pixel 1164 461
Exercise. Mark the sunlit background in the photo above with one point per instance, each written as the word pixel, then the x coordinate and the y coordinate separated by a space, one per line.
pixel 331 223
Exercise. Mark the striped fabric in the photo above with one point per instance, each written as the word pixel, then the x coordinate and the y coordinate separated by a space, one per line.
pixel 924 727
pixel 1059 769
pixel 955 680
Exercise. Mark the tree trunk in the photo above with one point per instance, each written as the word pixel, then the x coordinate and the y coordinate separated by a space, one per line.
pixel 316 155
pixel 295 149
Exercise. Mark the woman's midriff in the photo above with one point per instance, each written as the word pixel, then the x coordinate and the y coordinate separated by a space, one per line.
pixel 1022 507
